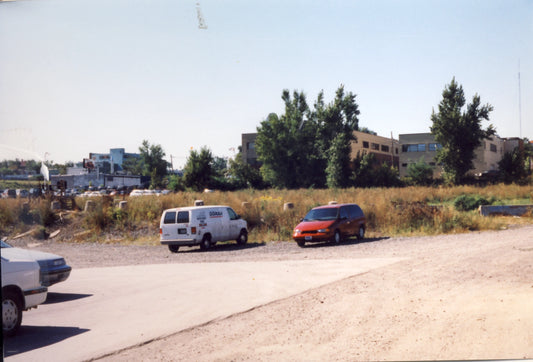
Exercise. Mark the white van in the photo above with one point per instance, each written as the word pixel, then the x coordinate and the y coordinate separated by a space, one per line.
pixel 201 225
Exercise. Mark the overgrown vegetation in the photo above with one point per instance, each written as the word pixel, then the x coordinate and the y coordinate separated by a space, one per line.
pixel 471 202
pixel 390 211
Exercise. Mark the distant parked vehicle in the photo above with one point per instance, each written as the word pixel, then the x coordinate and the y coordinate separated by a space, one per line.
pixel 9 194
pixel 22 193
pixel 35 192
pixel 135 193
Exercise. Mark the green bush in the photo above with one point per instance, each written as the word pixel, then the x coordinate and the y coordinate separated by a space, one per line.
pixel 471 202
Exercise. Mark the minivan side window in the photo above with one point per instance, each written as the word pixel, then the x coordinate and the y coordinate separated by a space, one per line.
pixel 183 217
pixel 232 214
pixel 170 217
pixel 356 211
pixel 344 213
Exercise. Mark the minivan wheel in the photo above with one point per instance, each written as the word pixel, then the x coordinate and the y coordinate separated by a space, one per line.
pixel 243 237
pixel 337 237
pixel 173 248
pixel 300 243
pixel 361 233
pixel 11 313
pixel 206 242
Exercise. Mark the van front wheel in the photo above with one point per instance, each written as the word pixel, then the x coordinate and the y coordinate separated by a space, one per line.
pixel 243 237
pixel 173 248
pixel 206 242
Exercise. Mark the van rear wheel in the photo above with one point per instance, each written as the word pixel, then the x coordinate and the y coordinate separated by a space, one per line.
pixel 206 242
pixel 173 248
pixel 243 237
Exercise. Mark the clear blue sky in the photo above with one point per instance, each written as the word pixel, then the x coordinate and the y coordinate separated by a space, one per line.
pixel 86 76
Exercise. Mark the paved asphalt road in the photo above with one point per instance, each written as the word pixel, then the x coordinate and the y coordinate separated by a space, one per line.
pixel 101 310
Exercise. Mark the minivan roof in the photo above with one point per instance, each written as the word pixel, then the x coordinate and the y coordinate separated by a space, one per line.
pixel 334 206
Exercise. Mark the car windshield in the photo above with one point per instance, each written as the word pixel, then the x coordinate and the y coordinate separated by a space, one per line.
pixel 321 214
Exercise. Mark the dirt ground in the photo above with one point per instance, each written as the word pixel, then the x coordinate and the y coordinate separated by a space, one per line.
pixel 464 296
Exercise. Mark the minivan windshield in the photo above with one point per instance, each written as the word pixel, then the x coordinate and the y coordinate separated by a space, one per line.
pixel 321 214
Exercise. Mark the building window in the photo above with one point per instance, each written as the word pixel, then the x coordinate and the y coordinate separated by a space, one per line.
pixel 420 147
pixel 404 165
pixel 375 146
pixel 493 148
pixel 385 148
pixel 365 144
pixel 434 146
pixel 250 146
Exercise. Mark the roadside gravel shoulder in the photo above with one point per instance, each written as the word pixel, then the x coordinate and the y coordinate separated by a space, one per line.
pixel 95 254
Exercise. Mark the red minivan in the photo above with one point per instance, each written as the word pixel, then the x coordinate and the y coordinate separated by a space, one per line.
pixel 330 223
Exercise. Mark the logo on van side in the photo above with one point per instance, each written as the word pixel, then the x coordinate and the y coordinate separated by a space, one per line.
pixel 215 214
pixel 201 217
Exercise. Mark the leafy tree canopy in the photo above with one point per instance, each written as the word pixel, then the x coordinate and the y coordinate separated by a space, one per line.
pixel 459 131
pixel 198 172
pixel 420 173
pixel 154 165
pixel 295 147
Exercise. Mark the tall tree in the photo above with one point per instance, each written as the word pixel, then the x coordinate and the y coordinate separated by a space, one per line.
pixel 154 164
pixel 336 123
pixel 285 145
pixel 198 172
pixel 244 175
pixel 459 132
pixel 514 166
pixel 338 170
pixel 295 147
pixel 133 165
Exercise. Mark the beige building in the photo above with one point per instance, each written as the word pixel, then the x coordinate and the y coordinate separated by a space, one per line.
pixel 488 155
pixel 249 155
pixel 386 150
pixel 416 147
pixel 422 146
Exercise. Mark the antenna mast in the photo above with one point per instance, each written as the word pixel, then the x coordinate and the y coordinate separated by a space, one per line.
pixel 519 101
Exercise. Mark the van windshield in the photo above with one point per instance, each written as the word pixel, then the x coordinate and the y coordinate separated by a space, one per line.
pixel 321 214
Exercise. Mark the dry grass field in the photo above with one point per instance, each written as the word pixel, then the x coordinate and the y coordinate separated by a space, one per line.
pixel 390 212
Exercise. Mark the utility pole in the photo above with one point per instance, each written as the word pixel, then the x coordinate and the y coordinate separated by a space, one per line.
pixel 519 101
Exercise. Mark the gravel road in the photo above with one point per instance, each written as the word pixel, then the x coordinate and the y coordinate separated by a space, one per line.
pixel 461 296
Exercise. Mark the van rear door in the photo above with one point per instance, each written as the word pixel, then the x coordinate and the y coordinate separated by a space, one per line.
pixel 168 225
pixel 183 230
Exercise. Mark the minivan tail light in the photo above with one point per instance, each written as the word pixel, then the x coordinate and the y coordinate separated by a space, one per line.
pixel 160 231
pixel 193 230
